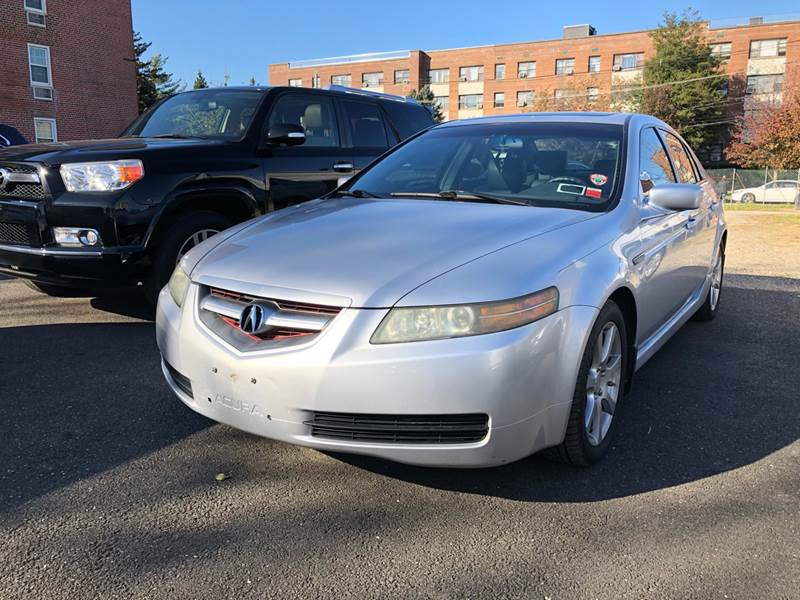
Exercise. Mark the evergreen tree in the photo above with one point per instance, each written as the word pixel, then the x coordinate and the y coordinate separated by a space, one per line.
pixel 152 82
pixel 682 53
pixel 253 82
pixel 200 82
pixel 425 97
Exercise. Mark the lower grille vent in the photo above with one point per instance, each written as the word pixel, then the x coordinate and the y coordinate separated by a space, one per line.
pixel 180 380
pixel 400 429
pixel 14 233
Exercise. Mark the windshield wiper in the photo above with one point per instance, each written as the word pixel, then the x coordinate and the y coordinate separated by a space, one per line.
pixel 174 136
pixel 355 194
pixel 460 195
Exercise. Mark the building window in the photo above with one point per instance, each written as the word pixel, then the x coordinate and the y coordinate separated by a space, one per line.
pixel 526 70
pixel 295 83
pixel 628 62
pixel 45 130
pixel 524 98
pixel 372 79
pixel 767 48
pixel 40 71
pixel 439 76
pixel 470 102
pixel 499 99
pixel 723 87
pixel 402 76
pixel 315 80
pixel 500 71
pixel 592 93
pixel 471 73
pixel 594 64
pixel 345 80
pixel 565 66
pixel 721 51
pixel 35 12
pixel 764 84
pixel 443 102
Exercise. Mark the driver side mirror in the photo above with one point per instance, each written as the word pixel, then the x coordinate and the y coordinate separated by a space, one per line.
pixel 676 196
pixel 285 134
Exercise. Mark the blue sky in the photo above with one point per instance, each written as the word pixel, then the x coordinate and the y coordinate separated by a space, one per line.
pixel 244 37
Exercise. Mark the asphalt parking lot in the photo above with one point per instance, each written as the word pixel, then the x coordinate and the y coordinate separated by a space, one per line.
pixel 108 490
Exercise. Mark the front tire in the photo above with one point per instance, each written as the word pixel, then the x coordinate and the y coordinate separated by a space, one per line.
pixel 748 198
pixel 189 230
pixel 598 391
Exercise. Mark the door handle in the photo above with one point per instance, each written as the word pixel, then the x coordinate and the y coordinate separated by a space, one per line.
pixel 691 223
pixel 343 166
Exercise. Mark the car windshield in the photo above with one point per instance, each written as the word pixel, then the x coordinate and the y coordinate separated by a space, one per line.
pixel 207 114
pixel 574 165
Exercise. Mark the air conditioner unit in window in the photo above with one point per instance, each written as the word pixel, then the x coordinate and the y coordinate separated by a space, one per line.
pixel 523 75
pixel 464 79
pixel 616 68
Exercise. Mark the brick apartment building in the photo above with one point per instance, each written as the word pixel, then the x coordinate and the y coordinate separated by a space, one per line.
pixel 66 69
pixel 509 78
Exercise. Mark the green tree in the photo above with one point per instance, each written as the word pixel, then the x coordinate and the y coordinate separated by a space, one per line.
pixel 152 82
pixel 682 53
pixel 200 82
pixel 425 97
pixel 253 82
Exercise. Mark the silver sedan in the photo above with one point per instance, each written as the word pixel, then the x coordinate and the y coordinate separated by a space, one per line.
pixel 483 291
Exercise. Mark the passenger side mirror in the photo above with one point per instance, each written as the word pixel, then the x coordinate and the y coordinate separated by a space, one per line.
pixel 286 134
pixel 676 196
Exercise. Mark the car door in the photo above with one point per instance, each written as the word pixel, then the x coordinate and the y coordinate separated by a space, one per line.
pixel 662 262
pixel 366 131
pixel 300 173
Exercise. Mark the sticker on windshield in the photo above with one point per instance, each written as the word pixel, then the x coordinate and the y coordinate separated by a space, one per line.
pixel 594 192
pixel 598 178
pixel 569 188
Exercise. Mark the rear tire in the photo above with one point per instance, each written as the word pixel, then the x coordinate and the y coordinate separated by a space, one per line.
pixel 708 310
pixel 595 408
pixel 180 237
pixel 748 198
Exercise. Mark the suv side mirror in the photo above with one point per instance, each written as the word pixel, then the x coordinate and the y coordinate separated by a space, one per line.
pixel 286 134
pixel 676 196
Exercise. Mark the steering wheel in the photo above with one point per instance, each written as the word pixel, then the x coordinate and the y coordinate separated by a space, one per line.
pixel 567 179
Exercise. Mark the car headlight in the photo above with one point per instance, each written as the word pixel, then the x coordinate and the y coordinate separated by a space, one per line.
pixel 179 285
pixel 441 322
pixel 101 176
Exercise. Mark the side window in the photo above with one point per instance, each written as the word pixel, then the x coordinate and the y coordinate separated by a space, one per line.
pixel 366 125
pixel 654 166
pixel 314 113
pixel 680 159
pixel 408 118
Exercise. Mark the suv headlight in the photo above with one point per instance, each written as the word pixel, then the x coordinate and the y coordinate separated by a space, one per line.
pixel 442 322
pixel 101 176
pixel 179 285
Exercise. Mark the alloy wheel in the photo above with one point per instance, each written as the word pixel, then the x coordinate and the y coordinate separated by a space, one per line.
pixel 196 238
pixel 603 383
pixel 716 281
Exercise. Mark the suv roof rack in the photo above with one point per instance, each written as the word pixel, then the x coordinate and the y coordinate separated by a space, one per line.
pixel 350 90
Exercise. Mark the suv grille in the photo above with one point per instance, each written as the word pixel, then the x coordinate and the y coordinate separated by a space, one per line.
pixel 400 429
pixel 25 191
pixel 15 234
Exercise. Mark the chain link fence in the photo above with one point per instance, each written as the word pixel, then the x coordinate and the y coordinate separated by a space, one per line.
pixel 758 186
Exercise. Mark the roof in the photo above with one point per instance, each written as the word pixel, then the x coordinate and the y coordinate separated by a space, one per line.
pixel 577 117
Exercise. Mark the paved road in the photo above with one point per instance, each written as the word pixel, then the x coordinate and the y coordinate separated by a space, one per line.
pixel 107 483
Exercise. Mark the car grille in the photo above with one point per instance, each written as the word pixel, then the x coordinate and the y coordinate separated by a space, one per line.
pixel 15 234
pixel 232 303
pixel 400 429
pixel 22 190
pixel 181 381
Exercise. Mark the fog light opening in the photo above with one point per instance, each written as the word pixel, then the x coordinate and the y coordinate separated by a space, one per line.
pixel 76 237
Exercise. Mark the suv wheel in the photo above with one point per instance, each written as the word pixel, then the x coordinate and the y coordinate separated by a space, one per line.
pixel 187 232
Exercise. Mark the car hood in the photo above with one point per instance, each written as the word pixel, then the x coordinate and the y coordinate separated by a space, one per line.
pixel 371 252
pixel 87 150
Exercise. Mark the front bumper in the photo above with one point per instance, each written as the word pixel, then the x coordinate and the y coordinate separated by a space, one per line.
pixel 523 379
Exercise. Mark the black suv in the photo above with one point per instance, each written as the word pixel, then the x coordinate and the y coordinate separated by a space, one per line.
pixel 123 211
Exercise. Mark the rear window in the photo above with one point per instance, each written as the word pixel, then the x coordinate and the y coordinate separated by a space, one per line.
pixel 408 118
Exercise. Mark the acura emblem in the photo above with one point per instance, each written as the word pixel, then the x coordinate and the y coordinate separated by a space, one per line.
pixel 255 316
pixel 5 174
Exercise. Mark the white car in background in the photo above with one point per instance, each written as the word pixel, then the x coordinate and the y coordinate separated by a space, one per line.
pixel 781 191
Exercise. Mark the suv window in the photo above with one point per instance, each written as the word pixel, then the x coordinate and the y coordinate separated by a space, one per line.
pixel 366 125
pixel 653 161
pixel 680 159
pixel 313 112
pixel 408 118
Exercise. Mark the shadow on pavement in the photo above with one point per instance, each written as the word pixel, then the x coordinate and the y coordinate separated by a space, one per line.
pixel 716 397
pixel 77 400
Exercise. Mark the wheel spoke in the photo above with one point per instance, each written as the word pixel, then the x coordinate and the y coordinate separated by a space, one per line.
pixel 597 417
pixel 609 336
